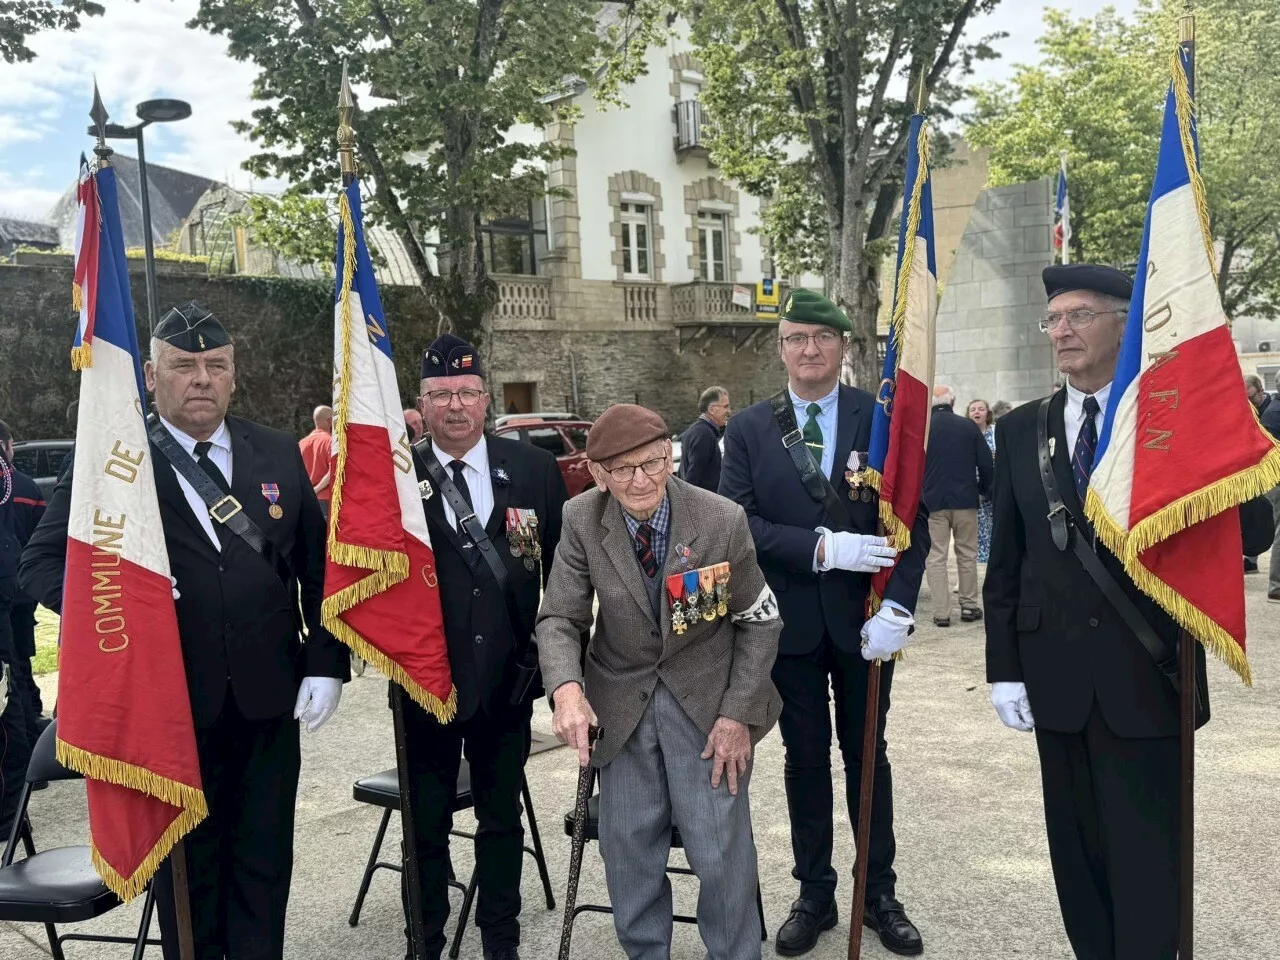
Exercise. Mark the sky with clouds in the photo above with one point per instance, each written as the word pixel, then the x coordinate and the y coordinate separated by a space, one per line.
pixel 140 51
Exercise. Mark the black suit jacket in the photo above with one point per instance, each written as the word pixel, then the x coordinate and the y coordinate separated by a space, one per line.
pixel 700 455
pixel 1048 625
pixel 484 652
pixel 237 620
pixel 958 464
pixel 758 473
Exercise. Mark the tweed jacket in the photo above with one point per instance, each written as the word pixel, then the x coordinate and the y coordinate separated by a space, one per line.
pixel 717 668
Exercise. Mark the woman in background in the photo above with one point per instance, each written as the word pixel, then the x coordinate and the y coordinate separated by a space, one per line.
pixel 980 414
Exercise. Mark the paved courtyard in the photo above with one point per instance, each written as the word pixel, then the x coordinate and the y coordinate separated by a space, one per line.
pixel 973 865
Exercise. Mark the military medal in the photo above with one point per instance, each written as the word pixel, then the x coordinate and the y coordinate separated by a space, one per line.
pixel 707 580
pixel 721 571
pixel 515 541
pixel 535 546
pixel 692 606
pixel 272 492
pixel 867 495
pixel 675 589
pixel 684 554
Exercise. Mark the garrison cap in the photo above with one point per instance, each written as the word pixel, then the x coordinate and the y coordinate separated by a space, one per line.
pixel 192 327
pixel 805 306
pixel 451 356
pixel 621 429
pixel 1096 277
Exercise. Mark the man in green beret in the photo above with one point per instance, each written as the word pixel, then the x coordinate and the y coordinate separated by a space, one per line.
pixel 796 463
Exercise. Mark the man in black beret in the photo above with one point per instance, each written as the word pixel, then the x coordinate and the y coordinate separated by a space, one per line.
pixel 1064 662
pixel 250 675
pixel 493 554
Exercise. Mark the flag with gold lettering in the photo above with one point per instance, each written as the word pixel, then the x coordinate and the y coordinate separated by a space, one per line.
pixel 124 714
pixel 1163 499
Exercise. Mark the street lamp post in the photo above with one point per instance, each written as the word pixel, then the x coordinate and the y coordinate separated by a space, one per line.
pixel 149 112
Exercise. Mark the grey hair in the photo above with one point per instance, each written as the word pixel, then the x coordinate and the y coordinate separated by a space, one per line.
pixel 942 393
pixel 710 396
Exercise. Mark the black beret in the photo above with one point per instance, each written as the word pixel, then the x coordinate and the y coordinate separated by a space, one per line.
pixel 451 356
pixel 1099 278
pixel 806 306
pixel 192 327
pixel 621 428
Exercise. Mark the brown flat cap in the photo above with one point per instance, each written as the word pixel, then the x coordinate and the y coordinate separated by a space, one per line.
pixel 622 428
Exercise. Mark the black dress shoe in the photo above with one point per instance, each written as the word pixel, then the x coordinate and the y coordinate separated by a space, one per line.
pixel 971 614
pixel 944 622
pixel 502 953
pixel 887 917
pixel 800 933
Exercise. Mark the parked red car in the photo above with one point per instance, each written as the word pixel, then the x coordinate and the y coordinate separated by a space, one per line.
pixel 566 440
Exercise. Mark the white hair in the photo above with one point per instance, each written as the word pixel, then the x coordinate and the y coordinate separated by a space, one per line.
pixel 943 394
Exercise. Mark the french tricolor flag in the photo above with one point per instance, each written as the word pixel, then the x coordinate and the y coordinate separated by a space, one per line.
pixel 900 420
pixel 1161 497
pixel 381 589
pixel 124 714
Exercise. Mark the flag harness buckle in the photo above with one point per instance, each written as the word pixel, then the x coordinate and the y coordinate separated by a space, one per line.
pixel 225 515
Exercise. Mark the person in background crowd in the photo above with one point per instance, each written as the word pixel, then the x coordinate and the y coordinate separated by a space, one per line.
pixel 317 456
pixel 1271 420
pixel 981 414
pixel 413 425
pixel 999 409
pixel 257 657
pixel 1262 402
pixel 700 445
pixel 27 507
pixel 957 470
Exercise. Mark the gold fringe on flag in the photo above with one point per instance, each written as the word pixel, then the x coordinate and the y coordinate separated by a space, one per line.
pixel 1185 106
pixel 77 297
pixel 387 567
pixel 82 357
pixel 189 800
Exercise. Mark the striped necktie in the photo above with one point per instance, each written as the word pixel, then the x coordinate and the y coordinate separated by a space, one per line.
pixel 644 550
pixel 1086 444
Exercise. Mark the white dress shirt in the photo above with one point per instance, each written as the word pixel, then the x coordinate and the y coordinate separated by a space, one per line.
pixel 220 454
pixel 475 471
pixel 1073 415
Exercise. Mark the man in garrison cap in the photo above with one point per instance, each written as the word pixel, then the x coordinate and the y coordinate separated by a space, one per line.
pixel 493 509
pixel 1063 661
pixel 250 674
pixel 677 673
pixel 796 463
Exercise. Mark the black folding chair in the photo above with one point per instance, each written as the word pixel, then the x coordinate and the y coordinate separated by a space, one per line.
pixel 383 790
pixel 677 843
pixel 58 885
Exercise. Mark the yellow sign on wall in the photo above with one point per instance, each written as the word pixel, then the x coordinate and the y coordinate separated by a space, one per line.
pixel 767 298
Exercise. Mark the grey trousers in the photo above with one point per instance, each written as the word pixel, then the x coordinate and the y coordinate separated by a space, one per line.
pixel 657 781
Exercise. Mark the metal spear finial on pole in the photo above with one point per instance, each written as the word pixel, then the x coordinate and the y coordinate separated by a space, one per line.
pixel 346 133
pixel 920 92
pixel 98 114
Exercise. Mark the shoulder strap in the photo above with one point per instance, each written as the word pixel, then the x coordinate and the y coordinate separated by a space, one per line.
pixel 1063 535
pixel 811 475
pixel 223 507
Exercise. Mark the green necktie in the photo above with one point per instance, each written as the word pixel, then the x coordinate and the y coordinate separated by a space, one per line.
pixel 812 433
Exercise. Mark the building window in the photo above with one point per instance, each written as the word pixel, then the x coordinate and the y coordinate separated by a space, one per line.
pixel 712 233
pixel 514 241
pixel 636 241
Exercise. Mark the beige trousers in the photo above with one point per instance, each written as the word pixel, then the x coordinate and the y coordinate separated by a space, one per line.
pixel 942 523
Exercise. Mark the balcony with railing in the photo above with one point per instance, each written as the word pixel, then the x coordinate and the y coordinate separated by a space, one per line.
pixel 693 127
pixel 522 299
pixel 703 310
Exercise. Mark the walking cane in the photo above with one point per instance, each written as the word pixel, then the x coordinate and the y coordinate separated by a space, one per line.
pixel 586 779
pixel 870 732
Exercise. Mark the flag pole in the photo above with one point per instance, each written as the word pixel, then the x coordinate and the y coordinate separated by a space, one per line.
pixel 178 854
pixel 1187 665
pixel 1066 214
pixel 409 843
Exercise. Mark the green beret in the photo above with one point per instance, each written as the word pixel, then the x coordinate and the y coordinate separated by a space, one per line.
pixel 805 306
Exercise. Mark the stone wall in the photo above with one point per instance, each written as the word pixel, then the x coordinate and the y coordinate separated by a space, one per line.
pixel 988 343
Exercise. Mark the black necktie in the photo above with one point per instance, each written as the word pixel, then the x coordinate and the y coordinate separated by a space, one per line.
pixel 211 468
pixel 460 481
pixel 644 550
pixel 1086 444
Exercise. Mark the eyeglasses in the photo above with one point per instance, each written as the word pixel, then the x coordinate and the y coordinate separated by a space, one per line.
pixel 442 398
pixel 1076 319
pixel 651 468
pixel 797 341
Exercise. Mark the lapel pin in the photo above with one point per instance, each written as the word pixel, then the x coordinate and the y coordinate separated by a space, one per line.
pixel 1052 445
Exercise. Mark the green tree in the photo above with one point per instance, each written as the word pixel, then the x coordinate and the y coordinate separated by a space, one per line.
pixel 21 19
pixel 1099 94
pixel 811 101
pixel 449 80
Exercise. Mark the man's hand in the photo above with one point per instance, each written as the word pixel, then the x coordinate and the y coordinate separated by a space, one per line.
pixel 855 552
pixel 886 633
pixel 729 750
pixel 1012 703
pixel 317 701
pixel 573 719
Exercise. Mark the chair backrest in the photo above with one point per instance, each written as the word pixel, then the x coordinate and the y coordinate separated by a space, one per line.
pixel 44 765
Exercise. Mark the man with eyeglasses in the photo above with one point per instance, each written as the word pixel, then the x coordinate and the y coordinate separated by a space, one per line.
pixel 677 672
pixel 1064 662
pixel 512 495
pixel 796 463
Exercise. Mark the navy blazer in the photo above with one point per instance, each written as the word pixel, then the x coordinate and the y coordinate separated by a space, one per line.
pixel 700 455
pixel 958 465
pixel 758 473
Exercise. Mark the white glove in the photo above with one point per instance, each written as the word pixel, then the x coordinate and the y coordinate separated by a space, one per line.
pixel 317 700
pixel 1011 702
pixel 885 633
pixel 173 583
pixel 856 552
